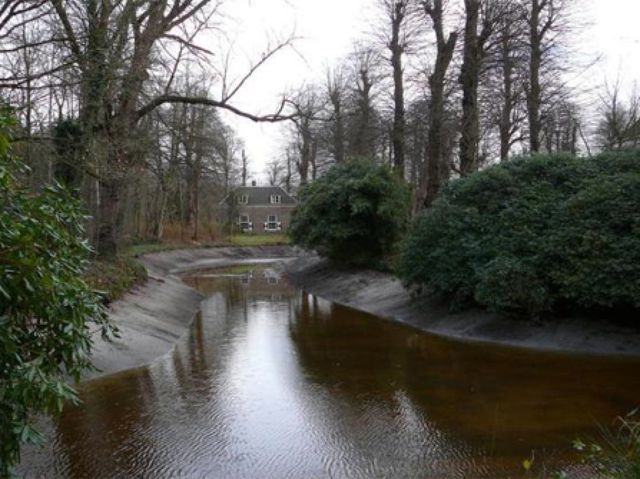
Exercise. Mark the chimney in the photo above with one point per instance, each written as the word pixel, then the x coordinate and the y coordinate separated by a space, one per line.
pixel 253 183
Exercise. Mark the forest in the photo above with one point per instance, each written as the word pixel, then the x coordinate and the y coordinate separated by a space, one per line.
pixel 122 100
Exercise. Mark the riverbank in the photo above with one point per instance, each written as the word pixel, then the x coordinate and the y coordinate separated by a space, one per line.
pixel 152 317
pixel 383 295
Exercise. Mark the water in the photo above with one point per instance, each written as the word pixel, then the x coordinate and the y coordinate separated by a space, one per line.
pixel 273 382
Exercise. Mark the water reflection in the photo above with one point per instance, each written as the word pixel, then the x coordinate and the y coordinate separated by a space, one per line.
pixel 274 382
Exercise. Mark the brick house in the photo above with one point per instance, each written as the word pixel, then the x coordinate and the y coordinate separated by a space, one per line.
pixel 257 209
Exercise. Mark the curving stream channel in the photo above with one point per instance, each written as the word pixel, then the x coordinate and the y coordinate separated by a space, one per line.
pixel 275 383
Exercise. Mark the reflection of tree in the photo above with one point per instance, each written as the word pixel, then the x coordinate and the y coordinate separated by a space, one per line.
pixel 487 396
pixel 381 397
pixel 241 284
pixel 342 346
pixel 107 420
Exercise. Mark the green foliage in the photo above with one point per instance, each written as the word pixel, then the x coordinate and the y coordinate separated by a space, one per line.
pixel 115 276
pixel 616 455
pixel 534 235
pixel 354 213
pixel 46 309
pixel 247 239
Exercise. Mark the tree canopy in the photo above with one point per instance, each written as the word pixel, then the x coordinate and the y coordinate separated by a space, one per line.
pixel 354 213
pixel 540 234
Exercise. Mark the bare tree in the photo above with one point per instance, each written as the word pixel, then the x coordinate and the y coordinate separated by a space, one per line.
pixel 244 168
pixel 16 14
pixel 336 92
pixel 436 165
pixel 308 104
pixel 399 17
pixel 508 64
pixel 275 170
pixel 363 127
pixel 112 45
pixel 485 13
pixel 619 123
pixel 547 22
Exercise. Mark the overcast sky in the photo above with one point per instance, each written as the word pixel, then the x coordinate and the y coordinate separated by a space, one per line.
pixel 327 30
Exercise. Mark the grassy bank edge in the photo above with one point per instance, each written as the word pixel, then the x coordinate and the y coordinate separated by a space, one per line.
pixel 231 241
pixel 115 277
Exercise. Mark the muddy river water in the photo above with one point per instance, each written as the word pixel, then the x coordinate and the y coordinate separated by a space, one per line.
pixel 275 383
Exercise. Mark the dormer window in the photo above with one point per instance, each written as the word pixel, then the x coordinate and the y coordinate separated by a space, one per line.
pixel 243 199
pixel 275 199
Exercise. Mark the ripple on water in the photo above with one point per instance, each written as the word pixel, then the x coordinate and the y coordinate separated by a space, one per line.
pixel 273 382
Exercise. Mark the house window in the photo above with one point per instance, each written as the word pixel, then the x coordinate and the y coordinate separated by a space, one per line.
pixel 272 223
pixel 245 223
pixel 243 199
pixel 275 199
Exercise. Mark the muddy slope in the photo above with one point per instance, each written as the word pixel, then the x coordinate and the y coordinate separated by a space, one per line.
pixel 383 295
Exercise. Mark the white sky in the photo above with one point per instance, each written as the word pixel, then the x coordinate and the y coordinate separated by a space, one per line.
pixel 328 28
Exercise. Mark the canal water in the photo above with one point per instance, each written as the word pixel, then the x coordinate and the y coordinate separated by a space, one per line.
pixel 273 382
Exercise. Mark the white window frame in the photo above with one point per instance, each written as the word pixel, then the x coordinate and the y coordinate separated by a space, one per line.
pixel 245 220
pixel 275 199
pixel 268 224
pixel 243 199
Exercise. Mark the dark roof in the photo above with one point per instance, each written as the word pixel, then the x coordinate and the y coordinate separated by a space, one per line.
pixel 260 195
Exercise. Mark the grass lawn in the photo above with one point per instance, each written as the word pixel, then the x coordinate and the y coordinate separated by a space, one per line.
pixel 146 248
pixel 258 240
pixel 114 277
pixel 235 240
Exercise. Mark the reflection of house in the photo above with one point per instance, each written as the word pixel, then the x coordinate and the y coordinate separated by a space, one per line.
pixel 262 209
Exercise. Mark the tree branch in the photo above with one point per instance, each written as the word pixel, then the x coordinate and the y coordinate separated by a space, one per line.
pixel 276 117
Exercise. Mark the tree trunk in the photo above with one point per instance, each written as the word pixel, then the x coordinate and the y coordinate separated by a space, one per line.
pixel 398 131
pixel 435 142
pixel 109 217
pixel 534 90
pixel 363 146
pixel 506 112
pixel 312 160
pixel 161 206
pixel 195 198
pixel 469 79
pixel 436 167
pixel 306 151
pixel 244 168
pixel 338 132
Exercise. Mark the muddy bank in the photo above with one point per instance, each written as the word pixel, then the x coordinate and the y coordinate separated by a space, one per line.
pixel 154 316
pixel 383 295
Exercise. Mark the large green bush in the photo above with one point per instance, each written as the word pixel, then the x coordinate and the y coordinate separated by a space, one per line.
pixel 533 235
pixel 46 309
pixel 354 213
